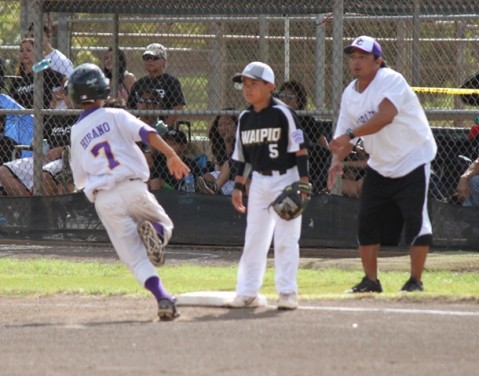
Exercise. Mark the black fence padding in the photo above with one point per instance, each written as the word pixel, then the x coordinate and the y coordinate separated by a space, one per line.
pixel 201 219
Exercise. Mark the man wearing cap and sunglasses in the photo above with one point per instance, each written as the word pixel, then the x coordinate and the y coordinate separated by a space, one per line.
pixel 380 107
pixel 157 80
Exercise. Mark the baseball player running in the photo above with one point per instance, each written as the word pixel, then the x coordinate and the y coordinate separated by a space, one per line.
pixel 379 107
pixel 270 140
pixel 111 169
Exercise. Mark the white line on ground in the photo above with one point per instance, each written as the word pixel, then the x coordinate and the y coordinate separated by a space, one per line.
pixel 392 310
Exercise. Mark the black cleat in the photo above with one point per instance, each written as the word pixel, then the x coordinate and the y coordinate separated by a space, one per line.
pixel 366 285
pixel 167 310
pixel 412 285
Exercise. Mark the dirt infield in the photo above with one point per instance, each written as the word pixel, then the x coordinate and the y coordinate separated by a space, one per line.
pixel 76 335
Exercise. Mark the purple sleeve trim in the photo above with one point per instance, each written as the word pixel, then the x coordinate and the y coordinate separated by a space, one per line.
pixel 144 131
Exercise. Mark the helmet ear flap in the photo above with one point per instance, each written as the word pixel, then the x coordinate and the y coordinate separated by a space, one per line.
pixel 88 83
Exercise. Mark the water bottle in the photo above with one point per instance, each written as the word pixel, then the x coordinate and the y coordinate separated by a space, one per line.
pixel 45 146
pixel 41 65
pixel 189 183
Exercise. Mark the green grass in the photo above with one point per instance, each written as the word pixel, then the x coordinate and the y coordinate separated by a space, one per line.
pixel 35 277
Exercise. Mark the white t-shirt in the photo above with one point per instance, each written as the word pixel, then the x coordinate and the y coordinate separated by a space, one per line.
pixel 60 62
pixel 63 65
pixel 104 150
pixel 404 144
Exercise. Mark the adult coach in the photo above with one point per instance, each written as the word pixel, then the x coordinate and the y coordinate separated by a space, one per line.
pixel 380 108
pixel 268 137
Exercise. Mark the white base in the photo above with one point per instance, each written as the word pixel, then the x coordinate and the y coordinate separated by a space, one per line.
pixel 211 298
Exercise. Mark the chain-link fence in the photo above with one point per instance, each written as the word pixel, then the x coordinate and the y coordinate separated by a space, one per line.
pixel 434 44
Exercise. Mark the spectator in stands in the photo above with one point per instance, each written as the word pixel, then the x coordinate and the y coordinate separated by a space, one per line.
pixel 222 137
pixel 150 99
pixel 471 82
pixel 126 79
pixel 2 75
pixel 294 95
pixel 60 63
pixel 473 138
pixel 165 85
pixel 160 178
pixel 16 176
pixel 7 145
pixel 21 88
pixel 468 186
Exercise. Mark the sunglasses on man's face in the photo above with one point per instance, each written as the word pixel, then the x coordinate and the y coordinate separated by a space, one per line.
pixel 288 96
pixel 151 57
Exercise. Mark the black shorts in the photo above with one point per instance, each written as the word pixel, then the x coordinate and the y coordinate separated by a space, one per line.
pixel 388 203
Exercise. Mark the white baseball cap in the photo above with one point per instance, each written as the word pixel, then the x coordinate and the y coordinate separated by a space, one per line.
pixel 257 71
pixel 366 44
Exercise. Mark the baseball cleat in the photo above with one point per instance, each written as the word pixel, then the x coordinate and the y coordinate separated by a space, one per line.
pixel 153 243
pixel 243 302
pixel 412 285
pixel 288 301
pixel 366 285
pixel 167 310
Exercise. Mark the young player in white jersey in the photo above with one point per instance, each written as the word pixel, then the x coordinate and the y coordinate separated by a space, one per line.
pixel 270 140
pixel 112 170
pixel 380 108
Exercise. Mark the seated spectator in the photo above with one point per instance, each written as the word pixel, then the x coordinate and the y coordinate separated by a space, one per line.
pixel 60 63
pixel 17 127
pixel 471 82
pixel 294 95
pixel 7 145
pixel 16 176
pixel 166 85
pixel 2 75
pixel 21 88
pixel 222 137
pixel 126 79
pixel 160 178
pixel 473 138
pixel 150 99
pixel 468 186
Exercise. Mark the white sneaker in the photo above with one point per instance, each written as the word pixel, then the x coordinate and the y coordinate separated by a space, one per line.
pixel 243 302
pixel 288 301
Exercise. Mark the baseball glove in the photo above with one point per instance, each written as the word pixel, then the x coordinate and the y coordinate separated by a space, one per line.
pixel 289 204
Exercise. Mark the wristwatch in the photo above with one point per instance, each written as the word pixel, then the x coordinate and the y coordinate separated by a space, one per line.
pixel 350 133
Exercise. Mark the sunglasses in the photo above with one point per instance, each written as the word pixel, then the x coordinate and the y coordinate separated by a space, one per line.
pixel 148 101
pixel 151 57
pixel 289 96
